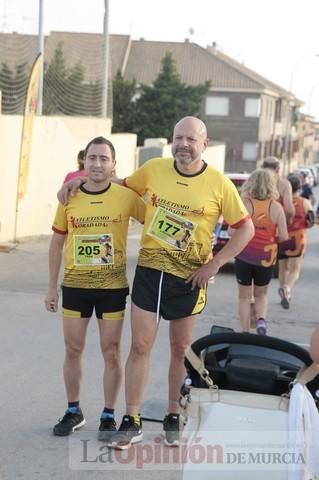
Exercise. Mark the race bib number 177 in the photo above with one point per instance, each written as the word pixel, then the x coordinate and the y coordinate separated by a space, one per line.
pixel 172 229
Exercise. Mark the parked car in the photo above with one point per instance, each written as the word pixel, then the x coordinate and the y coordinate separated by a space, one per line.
pixel 221 235
pixel 309 177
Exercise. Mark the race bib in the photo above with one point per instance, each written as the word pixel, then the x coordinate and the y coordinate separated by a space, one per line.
pixel 172 229
pixel 93 249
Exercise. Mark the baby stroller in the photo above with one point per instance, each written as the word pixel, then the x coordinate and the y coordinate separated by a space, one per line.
pixel 244 419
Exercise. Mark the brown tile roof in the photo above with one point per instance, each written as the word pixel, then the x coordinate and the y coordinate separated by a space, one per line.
pixel 16 49
pixel 138 59
pixel 246 71
pixel 87 48
pixel 194 64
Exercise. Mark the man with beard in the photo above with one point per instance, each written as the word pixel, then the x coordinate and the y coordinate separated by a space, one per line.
pixel 172 271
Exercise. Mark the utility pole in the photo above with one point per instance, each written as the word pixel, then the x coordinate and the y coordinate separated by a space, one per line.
pixel 105 60
pixel 40 50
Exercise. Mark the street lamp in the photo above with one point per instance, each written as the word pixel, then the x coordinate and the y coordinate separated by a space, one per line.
pixel 40 50
pixel 105 59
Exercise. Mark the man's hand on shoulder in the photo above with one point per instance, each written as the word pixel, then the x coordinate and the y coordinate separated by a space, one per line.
pixel 69 189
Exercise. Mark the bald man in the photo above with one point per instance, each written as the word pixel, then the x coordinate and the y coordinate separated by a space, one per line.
pixel 283 187
pixel 184 199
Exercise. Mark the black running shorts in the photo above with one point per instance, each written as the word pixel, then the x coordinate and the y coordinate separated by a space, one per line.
pixel 246 273
pixel 153 289
pixel 81 302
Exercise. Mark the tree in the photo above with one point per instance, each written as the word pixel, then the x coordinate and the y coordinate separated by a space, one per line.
pixel 20 87
pixel 162 104
pixel 13 88
pixel 74 91
pixel 6 81
pixel 123 104
pixel 54 84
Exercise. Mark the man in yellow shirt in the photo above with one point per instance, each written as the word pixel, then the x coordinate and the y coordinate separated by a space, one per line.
pixel 184 199
pixel 93 227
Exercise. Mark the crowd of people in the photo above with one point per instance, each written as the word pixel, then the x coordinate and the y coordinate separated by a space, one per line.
pixel 179 201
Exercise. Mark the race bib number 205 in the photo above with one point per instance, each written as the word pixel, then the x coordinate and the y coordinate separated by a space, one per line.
pixel 172 229
pixel 93 249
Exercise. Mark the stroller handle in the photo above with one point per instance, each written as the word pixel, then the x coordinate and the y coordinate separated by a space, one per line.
pixel 250 339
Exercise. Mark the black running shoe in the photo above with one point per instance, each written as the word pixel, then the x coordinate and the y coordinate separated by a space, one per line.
pixel 128 433
pixel 106 429
pixel 69 423
pixel 285 298
pixel 171 429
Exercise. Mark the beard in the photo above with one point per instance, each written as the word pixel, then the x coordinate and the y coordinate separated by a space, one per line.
pixel 184 160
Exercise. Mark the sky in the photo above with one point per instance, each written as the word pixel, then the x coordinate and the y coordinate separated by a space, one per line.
pixel 277 38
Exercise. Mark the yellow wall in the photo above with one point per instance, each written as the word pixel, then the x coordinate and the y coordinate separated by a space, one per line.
pixel 55 144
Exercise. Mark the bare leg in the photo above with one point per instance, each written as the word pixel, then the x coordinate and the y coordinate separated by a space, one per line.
pixel 144 329
pixel 294 268
pixel 74 338
pixel 180 334
pixel 283 270
pixel 261 301
pixel 244 297
pixel 110 336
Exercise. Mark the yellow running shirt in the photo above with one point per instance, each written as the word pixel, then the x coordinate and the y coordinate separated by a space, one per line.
pixel 181 213
pixel 96 224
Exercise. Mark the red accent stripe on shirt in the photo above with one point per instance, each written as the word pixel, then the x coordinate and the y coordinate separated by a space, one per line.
pixel 241 222
pixel 56 230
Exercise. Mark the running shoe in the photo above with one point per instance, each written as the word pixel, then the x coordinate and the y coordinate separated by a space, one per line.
pixel 129 432
pixel 69 423
pixel 171 429
pixel 261 328
pixel 107 429
pixel 285 297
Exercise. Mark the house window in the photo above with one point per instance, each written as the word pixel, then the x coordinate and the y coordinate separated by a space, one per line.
pixel 252 107
pixel 217 106
pixel 249 151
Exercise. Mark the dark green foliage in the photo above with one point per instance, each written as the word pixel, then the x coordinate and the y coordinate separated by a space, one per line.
pixel 13 87
pixel 123 104
pixel 160 105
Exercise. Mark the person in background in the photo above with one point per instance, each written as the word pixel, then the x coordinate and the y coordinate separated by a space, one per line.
pixel 93 227
pixel 291 259
pixel 306 190
pixel 283 187
pixel 254 264
pixel 80 171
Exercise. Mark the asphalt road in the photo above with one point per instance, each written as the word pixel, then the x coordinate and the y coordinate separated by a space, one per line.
pixel 31 354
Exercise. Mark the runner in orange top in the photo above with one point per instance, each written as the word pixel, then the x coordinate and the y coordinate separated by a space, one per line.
pixel 290 261
pixel 254 264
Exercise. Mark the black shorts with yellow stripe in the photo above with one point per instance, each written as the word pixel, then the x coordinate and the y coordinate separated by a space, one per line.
pixel 166 294
pixel 108 304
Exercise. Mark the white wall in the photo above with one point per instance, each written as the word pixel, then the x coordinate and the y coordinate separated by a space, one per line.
pixel 214 155
pixel 55 144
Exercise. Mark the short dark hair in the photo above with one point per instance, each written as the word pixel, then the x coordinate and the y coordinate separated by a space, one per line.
pixel 81 154
pixel 295 182
pixel 101 141
pixel 271 162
